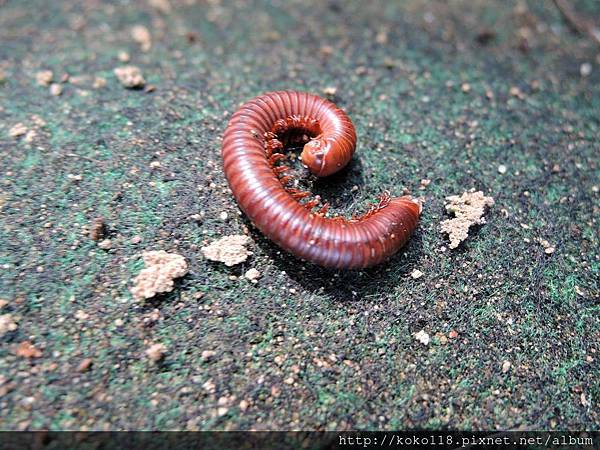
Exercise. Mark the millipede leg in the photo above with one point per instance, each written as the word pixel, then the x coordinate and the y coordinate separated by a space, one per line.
pixel 323 209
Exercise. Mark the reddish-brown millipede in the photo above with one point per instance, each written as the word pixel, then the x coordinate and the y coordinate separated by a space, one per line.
pixel 252 144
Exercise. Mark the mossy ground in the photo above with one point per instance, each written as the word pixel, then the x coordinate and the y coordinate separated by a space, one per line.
pixel 347 355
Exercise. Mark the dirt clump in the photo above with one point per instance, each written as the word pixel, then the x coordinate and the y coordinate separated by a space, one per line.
pixel 230 250
pixel 158 276
pixel 468 209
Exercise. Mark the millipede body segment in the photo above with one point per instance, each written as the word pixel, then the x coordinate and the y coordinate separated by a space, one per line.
pixel 253 157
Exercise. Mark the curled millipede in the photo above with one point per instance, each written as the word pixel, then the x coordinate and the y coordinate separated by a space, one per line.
pixel 253 143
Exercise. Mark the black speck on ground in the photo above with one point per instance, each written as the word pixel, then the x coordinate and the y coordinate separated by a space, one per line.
pixel 440 91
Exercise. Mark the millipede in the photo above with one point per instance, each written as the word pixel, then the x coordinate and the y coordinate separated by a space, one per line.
pixel 254 142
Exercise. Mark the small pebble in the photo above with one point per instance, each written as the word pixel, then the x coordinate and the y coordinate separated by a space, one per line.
pixel 516 92
pixel 84 365
pixel 81 315
pixel 156 352
pixel 17 130
pixel 416 274
pixel 207 354
pixel 105 244
pixel 123 57
pixel 44 77
pixel 585 69
pixel 130 77
pixel 56 89
pixel 141 35
pixel 252 274
pixel 502 169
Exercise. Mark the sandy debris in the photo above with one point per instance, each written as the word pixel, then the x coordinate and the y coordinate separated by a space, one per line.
pixel 17 130
pixel 141 35
pixel 230 250
pixel 422 337
pixel 44 77
pixel 468 209
pixel 156 352
pixel 7 323
pixel 158 275
pixel 27 350
pixel 130 77
pixel 253 275
pixel 506 366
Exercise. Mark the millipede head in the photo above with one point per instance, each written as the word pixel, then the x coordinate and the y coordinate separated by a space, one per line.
pixel 313 156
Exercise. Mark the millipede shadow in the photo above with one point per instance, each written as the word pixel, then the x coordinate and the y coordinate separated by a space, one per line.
pixel 337 188
pixel 345 285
